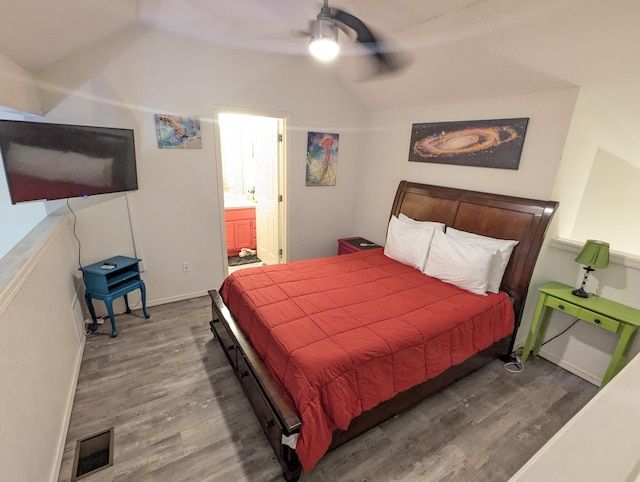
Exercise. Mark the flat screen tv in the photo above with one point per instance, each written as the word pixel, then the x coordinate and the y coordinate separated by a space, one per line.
pixel 44 161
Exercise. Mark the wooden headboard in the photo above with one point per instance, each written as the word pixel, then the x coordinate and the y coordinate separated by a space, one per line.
pixel 494 215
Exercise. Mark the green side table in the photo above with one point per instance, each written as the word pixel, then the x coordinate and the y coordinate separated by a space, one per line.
pixel 606 314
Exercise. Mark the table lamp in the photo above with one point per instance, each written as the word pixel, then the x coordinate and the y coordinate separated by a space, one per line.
pixel 594 254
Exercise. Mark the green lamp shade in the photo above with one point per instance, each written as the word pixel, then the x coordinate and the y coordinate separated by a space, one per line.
pixel 594 254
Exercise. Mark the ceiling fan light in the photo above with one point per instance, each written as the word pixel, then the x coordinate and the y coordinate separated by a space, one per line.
pixel 324 39
pixel 324 48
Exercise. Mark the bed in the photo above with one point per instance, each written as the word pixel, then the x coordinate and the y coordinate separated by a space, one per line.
pixel 325 349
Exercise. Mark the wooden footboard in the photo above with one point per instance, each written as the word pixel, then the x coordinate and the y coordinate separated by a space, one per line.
pixel 275 415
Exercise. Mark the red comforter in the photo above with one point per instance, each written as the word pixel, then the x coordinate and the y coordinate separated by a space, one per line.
pixel 342 334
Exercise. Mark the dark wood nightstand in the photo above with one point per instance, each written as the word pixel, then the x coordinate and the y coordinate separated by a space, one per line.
pixel 353 245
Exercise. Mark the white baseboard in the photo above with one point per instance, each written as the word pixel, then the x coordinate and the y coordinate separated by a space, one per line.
pixel 118 304
pixel 55 471
pixel 173 299
pixel 590 377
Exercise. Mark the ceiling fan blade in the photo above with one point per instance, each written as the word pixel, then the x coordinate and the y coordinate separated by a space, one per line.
pixel 364 34
pixel 386 61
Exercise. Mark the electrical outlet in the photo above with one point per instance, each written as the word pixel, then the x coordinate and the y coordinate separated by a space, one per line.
pixel 186 267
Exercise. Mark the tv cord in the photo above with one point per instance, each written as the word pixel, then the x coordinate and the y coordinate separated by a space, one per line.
pixel 75 220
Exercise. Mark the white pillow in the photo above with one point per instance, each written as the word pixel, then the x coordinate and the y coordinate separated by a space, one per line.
pixel 459 263
pixel 408 243
pixel 406 219
pixel 500 262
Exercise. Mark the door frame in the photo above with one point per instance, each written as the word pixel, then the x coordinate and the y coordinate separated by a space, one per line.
pixel 283 187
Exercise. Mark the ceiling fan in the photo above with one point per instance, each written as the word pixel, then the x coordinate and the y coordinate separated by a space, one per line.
pixel 324 38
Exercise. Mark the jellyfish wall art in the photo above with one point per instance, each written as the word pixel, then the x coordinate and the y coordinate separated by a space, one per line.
pixel 322 159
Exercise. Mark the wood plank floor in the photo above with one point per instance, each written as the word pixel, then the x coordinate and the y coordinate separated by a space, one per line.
pixel 180 415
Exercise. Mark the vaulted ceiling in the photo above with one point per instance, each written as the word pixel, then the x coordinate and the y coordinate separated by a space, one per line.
pixel 459 49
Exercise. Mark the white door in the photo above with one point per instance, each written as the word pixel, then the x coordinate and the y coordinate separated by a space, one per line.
pixel 251 150
pixel 267 192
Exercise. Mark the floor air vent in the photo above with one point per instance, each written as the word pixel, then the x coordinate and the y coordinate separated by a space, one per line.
pixel 92 454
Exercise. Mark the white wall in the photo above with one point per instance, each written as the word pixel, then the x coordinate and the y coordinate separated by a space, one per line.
pixel 609 204
pixel 16 220
pixel 597 179
pixel 386 152
pixel 146 72
pixel 577 157
pixel 41 351
pixel 99 224
pixel 17 88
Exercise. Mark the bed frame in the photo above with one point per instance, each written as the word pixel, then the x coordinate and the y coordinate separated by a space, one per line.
pixel 498 216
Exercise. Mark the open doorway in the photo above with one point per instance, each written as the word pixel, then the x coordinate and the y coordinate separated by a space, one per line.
pixel 251 149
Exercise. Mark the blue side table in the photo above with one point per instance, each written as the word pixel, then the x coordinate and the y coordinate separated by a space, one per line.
pixel 110 279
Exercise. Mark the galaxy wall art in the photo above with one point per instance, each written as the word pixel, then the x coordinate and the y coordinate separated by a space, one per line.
pixel 322 159
pixel 481 143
